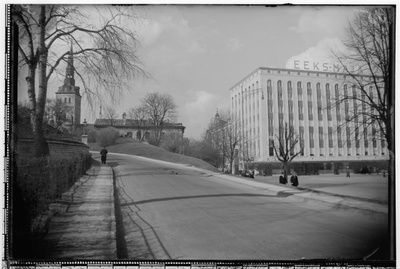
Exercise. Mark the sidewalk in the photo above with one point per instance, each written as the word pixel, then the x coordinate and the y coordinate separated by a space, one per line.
pixel 305 194
pixel 83 227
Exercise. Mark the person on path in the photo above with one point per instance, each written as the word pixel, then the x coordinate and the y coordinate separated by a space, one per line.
pixel 294 180
pixel 103 154
pixel 348 173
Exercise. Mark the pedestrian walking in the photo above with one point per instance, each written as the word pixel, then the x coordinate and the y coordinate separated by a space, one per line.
pixel 294 180
pixel 348 173
pixel 103 154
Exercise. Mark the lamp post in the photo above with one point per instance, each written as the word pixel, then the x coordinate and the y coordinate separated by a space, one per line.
pixel 84 135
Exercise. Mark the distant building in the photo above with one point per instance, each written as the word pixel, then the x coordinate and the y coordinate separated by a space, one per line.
pixel 139 130
pixel 70 96
pixel 268 98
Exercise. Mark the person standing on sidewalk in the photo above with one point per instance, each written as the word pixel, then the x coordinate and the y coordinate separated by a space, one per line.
pixel 294 180
pixel 103 154
pixel 348 173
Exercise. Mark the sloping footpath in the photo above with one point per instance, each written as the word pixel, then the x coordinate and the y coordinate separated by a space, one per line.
pixel 83 225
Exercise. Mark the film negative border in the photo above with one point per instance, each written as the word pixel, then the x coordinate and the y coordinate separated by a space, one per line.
pixel 9 102
pixel 307 264
pixel 11 65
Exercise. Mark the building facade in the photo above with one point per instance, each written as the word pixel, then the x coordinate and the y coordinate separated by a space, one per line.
pixel 268 98
pixel 140 130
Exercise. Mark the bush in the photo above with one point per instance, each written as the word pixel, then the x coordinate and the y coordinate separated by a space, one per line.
pixel 172 142
pixel 107 137
pixel 92 135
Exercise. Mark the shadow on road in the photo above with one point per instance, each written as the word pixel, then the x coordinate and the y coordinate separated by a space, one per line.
pixel 282 195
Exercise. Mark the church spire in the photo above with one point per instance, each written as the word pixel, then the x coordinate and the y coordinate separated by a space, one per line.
pixel 69 74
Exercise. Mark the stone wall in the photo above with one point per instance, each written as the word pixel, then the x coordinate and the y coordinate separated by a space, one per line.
pixel 25 147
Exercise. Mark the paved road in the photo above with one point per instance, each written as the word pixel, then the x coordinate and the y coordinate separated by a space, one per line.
pixel 165 211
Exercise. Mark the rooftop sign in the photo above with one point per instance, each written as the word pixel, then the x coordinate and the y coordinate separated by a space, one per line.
pixel 322 66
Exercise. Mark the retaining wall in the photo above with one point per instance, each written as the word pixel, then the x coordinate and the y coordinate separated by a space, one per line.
pixel 25 147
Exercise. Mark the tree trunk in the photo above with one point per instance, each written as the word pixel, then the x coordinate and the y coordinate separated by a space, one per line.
pixel 390 127
pixel 285 172
pixel 30 81
pixel 41 148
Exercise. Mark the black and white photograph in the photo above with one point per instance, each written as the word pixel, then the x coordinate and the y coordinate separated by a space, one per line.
pixel 200 132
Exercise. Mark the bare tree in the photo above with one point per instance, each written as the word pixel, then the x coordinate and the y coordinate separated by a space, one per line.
pixel 215 137
pixel 232 138
pixel 368 62
pixel 225 135
pixel 111 114
pixel 140 119
pixel 161 110
pixel 56 112
pixel 173 142
pixel 247 153
pixel 105 50
pixel 284 146
pixel 201 149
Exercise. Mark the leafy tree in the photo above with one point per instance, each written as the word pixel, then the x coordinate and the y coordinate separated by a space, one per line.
pixel 284 146
pixel 100 38
pixel 369 47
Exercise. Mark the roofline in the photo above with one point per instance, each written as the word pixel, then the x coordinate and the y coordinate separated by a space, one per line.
pixel 292 70
pixel 140 127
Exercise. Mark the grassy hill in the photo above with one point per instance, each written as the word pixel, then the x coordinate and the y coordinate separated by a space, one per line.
pixel 133 147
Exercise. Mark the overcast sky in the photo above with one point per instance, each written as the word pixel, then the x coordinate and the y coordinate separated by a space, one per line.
pixel 196 53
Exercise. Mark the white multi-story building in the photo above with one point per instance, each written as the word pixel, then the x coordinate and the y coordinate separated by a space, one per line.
pixel 268 98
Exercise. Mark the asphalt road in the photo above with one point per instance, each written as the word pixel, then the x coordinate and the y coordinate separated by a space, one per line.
pixel 167 211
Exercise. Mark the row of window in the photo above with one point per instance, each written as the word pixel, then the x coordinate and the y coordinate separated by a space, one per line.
pixel 319 104
pixel 147 135
pixel 355 92
pixel 65 100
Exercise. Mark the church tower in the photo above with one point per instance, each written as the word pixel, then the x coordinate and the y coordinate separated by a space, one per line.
pixel 69 93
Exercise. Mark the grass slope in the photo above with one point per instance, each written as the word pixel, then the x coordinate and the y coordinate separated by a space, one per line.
pixel 133 147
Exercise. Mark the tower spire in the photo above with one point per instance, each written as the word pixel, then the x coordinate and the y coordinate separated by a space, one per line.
pixel 69 93
pixel 69 73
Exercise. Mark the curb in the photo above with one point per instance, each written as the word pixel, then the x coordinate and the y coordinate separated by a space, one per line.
pixel 113 220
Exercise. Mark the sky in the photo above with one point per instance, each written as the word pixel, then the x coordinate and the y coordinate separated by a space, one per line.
pixel 196 53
